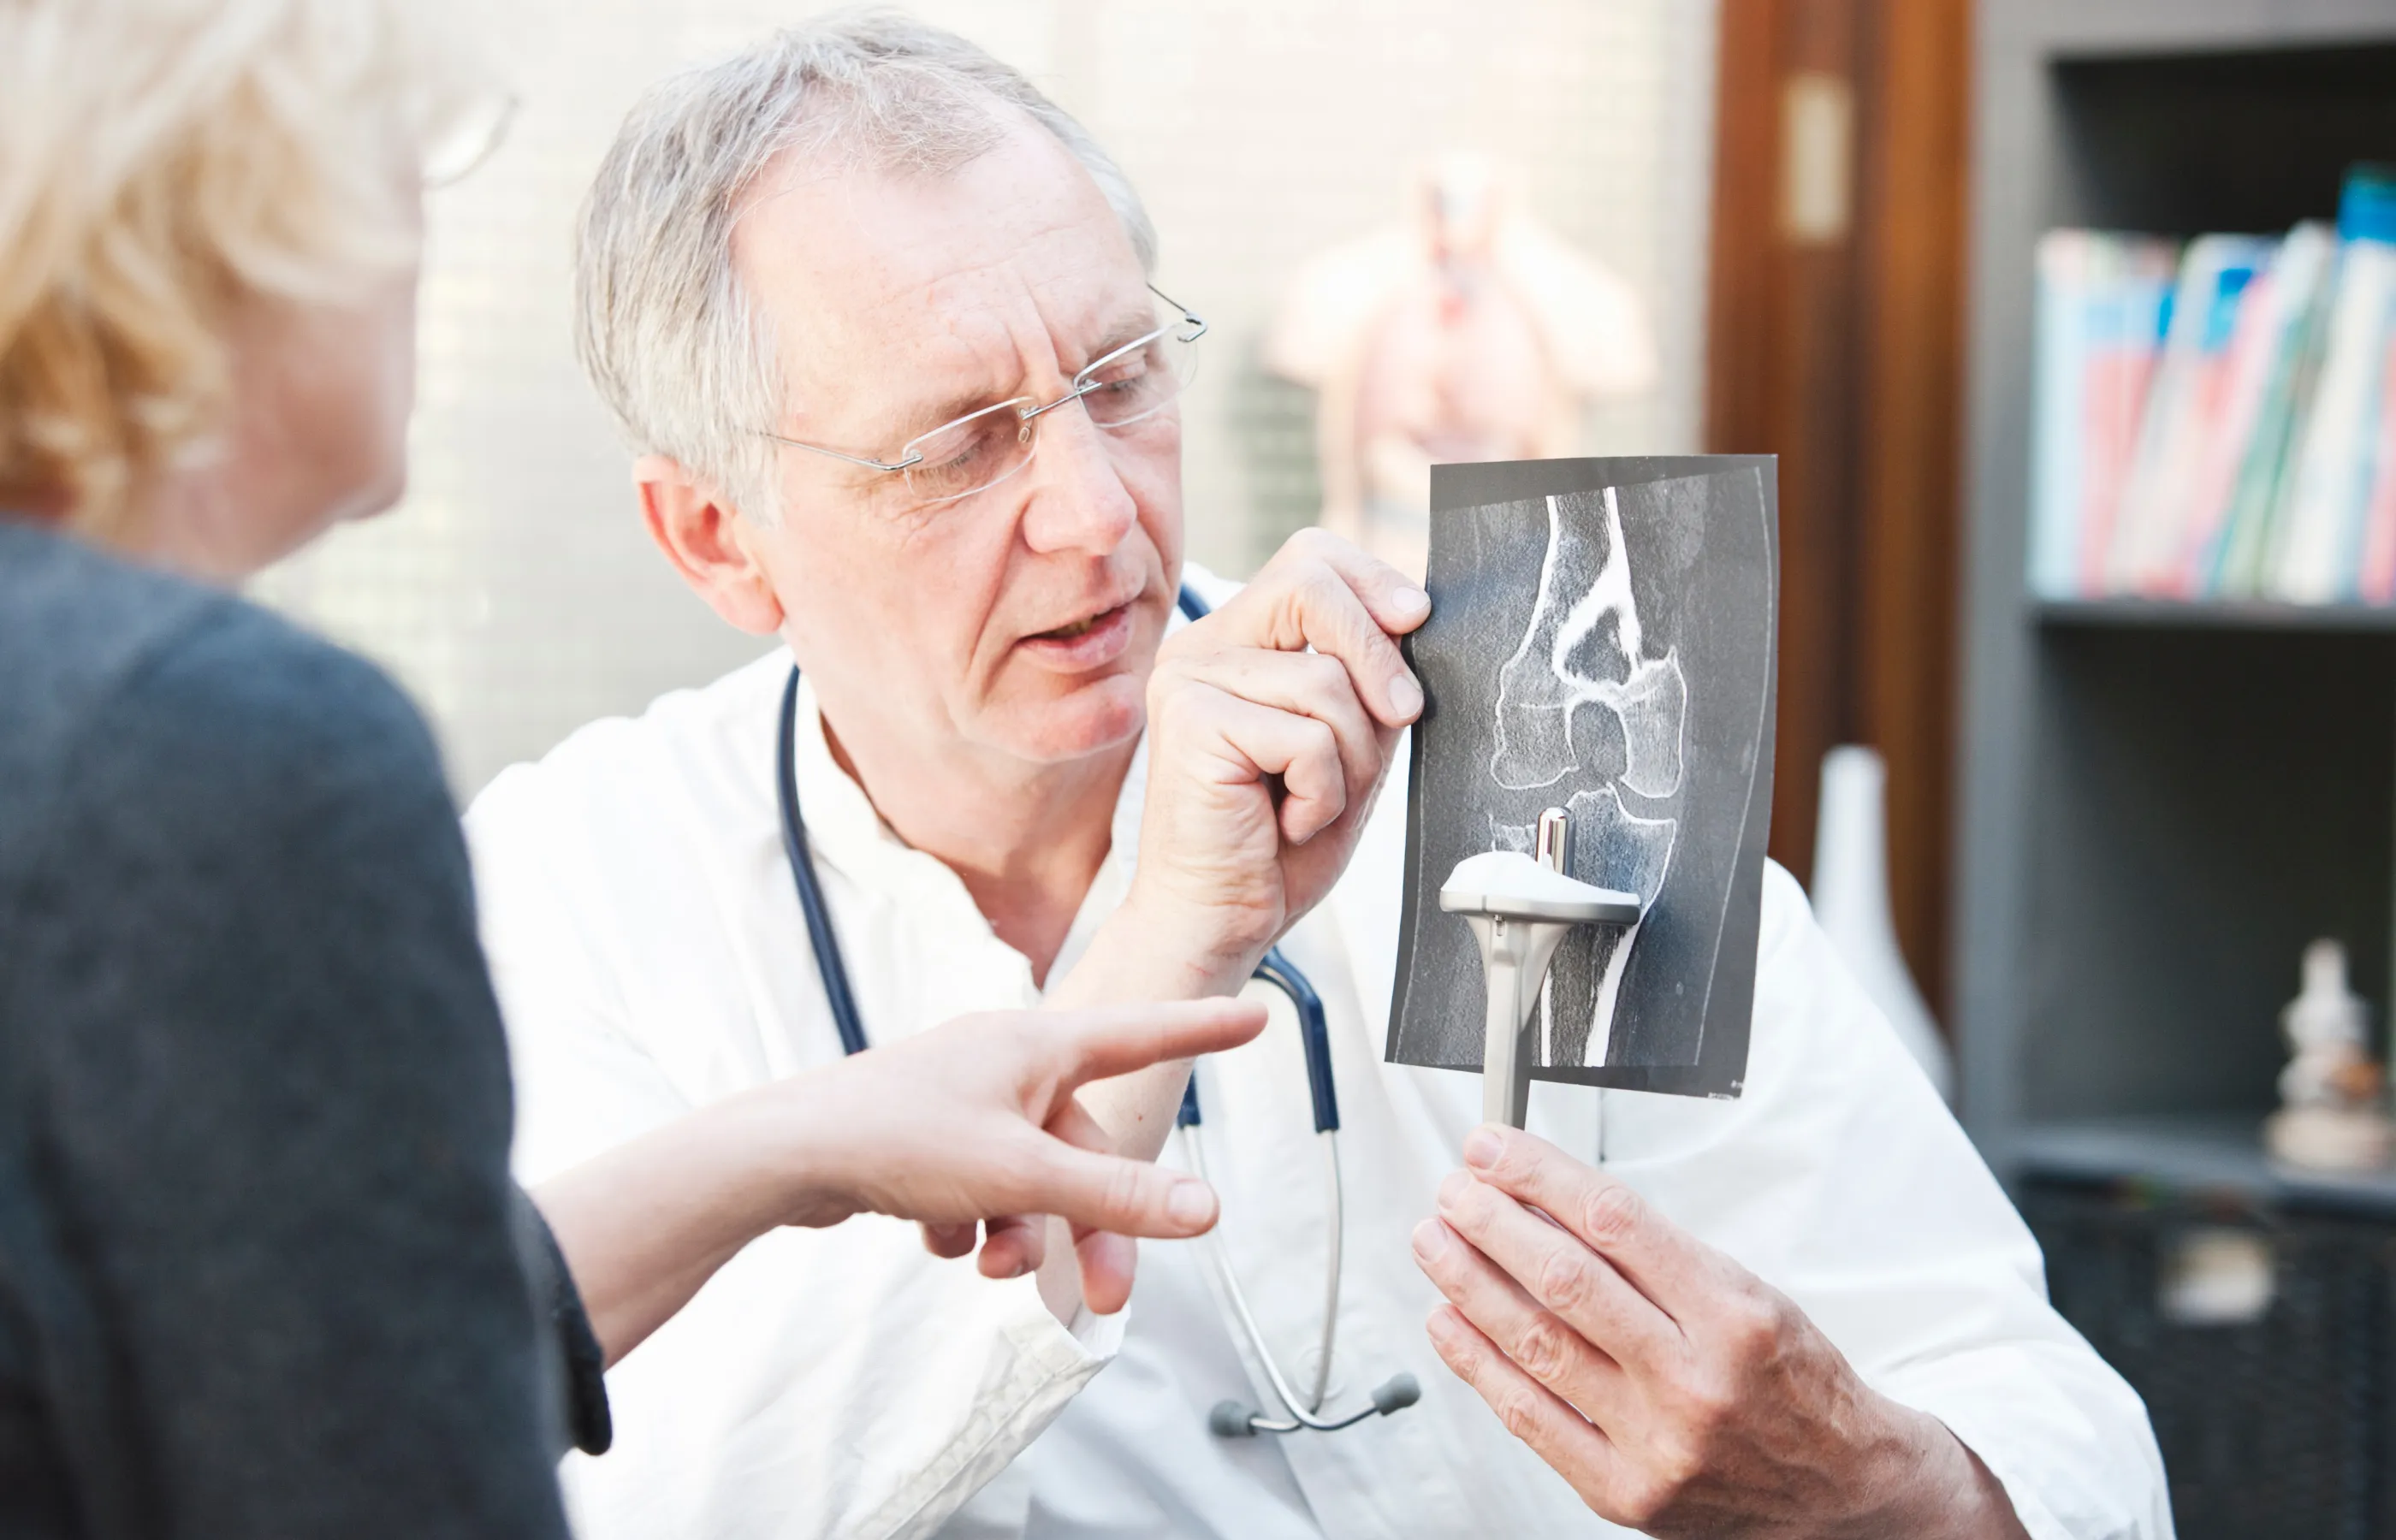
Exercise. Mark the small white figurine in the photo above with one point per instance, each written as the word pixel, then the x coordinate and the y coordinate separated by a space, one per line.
pixel 2332 1112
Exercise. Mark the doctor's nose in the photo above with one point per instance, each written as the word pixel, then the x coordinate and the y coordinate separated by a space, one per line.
pixel 1077 500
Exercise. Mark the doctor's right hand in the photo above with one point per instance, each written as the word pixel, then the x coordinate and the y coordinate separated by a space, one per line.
pixel 1270 723
pixel 972 1121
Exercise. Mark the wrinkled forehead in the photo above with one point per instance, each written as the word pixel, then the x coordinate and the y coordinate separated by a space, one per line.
pixel 887 290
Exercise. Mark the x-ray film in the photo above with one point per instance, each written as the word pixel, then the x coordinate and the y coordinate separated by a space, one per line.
pixel 1601 642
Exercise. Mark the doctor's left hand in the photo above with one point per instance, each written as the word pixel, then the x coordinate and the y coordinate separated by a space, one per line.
pixel 1270 723
pixel 1679 1393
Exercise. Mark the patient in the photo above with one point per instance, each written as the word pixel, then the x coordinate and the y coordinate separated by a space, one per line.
pixel 261 1268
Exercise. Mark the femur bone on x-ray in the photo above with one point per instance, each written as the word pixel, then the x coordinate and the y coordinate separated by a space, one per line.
pixel 1584 647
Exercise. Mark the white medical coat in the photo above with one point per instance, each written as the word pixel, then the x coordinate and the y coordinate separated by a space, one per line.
pixel 650 958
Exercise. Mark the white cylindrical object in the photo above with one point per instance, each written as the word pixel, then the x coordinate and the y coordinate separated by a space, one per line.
pixel 1850 903
pixel 1506 957
pixel 1520 912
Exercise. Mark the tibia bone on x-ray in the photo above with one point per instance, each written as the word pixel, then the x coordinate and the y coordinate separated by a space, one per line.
pixel 1629 853
pixel 1584 647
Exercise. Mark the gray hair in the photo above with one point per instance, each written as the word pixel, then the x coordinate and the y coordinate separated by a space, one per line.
pixel 685 362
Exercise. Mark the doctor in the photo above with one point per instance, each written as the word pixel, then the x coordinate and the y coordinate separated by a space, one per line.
pixel 876 318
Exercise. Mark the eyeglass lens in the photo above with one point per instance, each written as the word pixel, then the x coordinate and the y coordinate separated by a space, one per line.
pixel 977 452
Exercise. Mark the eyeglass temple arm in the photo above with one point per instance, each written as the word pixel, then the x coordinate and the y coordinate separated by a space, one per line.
pixel 865 461
pixel 1186 314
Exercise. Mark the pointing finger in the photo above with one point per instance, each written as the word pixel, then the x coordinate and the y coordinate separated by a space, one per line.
pixel 1119 1039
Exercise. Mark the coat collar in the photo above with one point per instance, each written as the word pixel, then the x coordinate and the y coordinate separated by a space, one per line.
pixel 845 834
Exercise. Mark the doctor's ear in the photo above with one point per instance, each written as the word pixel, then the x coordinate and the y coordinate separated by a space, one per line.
pixel 708 542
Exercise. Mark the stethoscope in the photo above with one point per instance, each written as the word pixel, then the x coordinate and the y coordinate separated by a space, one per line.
pixel 1228 1419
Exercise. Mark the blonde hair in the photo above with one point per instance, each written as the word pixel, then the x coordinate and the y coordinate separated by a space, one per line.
pixel 165 162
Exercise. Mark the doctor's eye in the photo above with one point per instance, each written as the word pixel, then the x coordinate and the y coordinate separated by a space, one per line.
pixel 966 457
pixel 1141 383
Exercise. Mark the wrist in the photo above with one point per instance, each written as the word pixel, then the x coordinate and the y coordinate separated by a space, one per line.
pixel 1931 1486
pixel 1153 948
pixel 788 1160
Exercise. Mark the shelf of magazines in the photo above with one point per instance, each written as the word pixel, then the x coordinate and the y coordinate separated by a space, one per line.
pixel 2213 422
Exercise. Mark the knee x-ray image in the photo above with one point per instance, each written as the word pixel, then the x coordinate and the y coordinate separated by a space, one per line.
pixel 1601 643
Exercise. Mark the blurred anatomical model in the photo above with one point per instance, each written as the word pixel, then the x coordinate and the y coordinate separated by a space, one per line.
pixel 1470 333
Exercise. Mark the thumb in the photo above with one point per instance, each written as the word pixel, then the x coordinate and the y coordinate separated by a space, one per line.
pixel 1126 1197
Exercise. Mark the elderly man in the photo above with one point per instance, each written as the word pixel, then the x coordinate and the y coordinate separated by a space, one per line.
pixel 877 319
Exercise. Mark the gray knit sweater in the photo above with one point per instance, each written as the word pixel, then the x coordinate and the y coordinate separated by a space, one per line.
pixel 262 1271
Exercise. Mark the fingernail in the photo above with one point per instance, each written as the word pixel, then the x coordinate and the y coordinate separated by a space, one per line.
pixel 1405 696
pixel 1440 1324
pixel 1452 1190
pixel 1018 1268
pixel 1481 1147
pixel 1430 1240
pixel 1410 601
pixel 1190 1202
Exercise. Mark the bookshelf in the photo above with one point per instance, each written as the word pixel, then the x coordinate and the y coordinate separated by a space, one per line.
pixel 2212 1153
pixel 2212 615
pixel 2160 803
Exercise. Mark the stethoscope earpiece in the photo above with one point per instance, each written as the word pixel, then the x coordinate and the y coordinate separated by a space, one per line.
pixel 1231 1419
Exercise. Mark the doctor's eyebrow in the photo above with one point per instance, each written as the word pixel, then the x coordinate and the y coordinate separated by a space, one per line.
pixel 1129 327
pixel 941 413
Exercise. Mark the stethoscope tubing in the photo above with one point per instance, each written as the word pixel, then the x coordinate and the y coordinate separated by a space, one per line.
pixel 830 965
pixel 1228 1419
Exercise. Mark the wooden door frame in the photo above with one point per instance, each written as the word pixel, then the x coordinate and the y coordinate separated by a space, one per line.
pixel 1844 355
